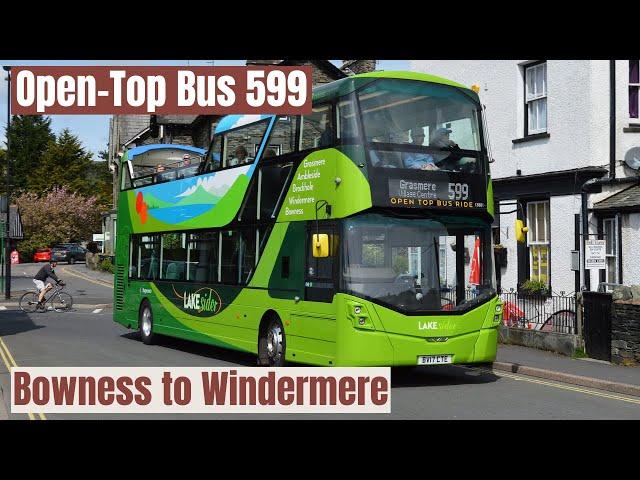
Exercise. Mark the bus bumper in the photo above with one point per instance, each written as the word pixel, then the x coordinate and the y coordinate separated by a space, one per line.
pixel 388 349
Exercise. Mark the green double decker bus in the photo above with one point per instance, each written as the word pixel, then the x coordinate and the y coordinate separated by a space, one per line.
pixel 358 235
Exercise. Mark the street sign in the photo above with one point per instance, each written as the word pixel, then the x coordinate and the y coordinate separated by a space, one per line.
pixel 595 254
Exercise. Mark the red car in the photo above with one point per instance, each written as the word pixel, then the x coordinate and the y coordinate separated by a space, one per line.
pixel 42 255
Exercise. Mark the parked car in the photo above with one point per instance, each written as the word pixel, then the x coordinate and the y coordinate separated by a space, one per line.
pixel 42 255
pixel 68 252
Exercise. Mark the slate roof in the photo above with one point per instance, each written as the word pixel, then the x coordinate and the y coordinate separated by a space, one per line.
pixel 626 200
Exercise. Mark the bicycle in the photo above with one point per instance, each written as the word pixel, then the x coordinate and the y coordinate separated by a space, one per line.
pixel 60 301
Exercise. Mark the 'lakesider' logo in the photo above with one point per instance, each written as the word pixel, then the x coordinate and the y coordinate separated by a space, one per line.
pixel 427 325
pixel 202 300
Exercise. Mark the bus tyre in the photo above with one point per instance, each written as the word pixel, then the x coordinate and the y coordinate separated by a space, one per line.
pixel 272 344
pixel 146 324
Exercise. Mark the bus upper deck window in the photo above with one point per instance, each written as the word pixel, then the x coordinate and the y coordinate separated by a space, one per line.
pixel 317 128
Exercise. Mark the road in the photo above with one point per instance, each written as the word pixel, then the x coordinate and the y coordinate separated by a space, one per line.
pixel 89 337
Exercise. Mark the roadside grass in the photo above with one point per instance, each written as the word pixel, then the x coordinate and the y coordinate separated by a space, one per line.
pixel 579 353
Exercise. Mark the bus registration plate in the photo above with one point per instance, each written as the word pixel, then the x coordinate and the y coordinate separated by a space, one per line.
pixel 434 359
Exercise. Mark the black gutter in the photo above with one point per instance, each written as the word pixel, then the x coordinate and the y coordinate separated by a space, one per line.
pixel 612 118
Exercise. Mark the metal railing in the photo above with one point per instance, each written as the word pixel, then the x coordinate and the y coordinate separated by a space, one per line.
pixel 545 313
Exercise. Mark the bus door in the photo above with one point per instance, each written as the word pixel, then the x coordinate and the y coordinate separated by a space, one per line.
pixel 321 272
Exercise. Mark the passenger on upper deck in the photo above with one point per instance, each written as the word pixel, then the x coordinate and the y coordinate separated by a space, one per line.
pixel 440 139
pixel 418 160
pixel 187 170
pixel 241 156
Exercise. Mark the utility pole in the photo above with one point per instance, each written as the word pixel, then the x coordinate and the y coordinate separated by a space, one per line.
pixel 7 246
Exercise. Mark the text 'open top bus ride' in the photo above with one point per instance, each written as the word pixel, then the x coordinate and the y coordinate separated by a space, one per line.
pixel 359 235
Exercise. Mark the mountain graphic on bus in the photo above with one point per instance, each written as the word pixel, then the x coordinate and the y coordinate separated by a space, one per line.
pixel 190 200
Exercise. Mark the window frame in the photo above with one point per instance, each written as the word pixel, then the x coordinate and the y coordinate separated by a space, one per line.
pixel 636 86
pixel 611 242
pixel 533 206
pixel 531 99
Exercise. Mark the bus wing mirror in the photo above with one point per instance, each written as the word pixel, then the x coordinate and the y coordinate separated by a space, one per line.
pixel 521 231
pixel 320 245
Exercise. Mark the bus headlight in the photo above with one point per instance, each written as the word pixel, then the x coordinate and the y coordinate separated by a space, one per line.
pixel 359 316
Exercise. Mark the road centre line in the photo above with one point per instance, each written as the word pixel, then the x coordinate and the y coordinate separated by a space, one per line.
pixel 563 386
pixel 89 279
pixel 6 354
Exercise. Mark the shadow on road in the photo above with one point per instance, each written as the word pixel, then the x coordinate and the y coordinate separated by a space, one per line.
pixel 202 349
pixel 13 322
pixel 438 376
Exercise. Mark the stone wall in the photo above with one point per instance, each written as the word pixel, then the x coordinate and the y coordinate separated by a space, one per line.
pixel 563 343
pixel 625 326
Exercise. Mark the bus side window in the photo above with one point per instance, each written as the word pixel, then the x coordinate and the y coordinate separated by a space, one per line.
pixel 149 257
pixel 202 257
pixel 240 144
pixel 318 128
pixel 133 256
pixel 273 180
pixel 283 136
pixel 174 256
pixel 230 256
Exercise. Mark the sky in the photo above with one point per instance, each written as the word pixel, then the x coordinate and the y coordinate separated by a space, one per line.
pixel 93 130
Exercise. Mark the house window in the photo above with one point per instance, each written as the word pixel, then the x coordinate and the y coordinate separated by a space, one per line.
pixel 538 240
pixel 634 88
pixel 611 239
pixel 535 98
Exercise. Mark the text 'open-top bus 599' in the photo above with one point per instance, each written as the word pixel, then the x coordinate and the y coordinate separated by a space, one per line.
pixel 357 235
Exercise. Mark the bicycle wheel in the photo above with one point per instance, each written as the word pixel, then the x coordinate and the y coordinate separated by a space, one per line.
pixel 29 302
pixel 62 302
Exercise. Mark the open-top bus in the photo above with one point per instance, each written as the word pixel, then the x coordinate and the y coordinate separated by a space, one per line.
pixel 357 235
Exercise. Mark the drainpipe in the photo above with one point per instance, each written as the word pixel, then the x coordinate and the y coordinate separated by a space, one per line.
pixel 612 118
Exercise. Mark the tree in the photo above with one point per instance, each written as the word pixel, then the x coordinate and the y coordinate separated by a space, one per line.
pixel 100 179
pixel 3 171
pixel 59 216
pixel 65 163
pixel 28 136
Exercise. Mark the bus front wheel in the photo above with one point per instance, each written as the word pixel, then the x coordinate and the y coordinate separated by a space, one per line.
pixel 272 344
pixel 145 323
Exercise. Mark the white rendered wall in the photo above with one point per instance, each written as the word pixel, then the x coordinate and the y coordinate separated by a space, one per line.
pixel 631 249
pixel 563 210
pixel 508 239
pixel 577 112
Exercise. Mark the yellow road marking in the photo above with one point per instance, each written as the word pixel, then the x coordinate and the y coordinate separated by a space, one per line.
pixel 9 362
pixel 611 396
pixel 88 279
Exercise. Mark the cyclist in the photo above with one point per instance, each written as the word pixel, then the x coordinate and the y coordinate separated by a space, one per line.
pixel 43 274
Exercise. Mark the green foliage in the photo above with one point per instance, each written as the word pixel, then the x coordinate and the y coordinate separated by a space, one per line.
pixel 56 217
pixel 534 287
pixel 65 163
pixel 29 136
pixel 100 180
pixel 579 353
pixel 3 167
pixel 106 265
pixel 372 255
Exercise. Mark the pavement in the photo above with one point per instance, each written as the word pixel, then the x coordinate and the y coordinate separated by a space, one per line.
pixel 586 372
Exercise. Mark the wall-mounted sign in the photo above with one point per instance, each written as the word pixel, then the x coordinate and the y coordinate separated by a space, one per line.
pixel 595 254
